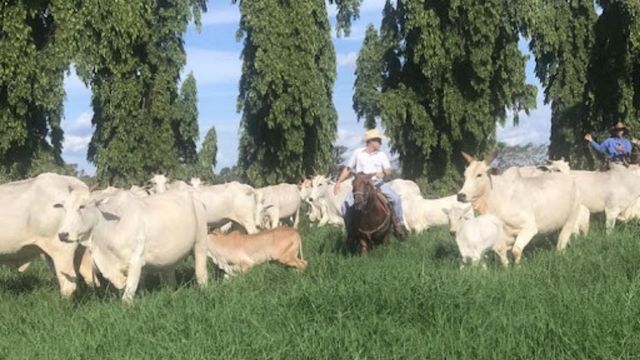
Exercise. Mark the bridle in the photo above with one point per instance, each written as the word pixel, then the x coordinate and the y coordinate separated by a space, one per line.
pixel 384 224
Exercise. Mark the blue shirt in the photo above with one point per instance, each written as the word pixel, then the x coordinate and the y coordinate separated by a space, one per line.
pixel 615 148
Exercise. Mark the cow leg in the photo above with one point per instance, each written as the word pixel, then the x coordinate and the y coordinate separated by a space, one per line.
pixel 523 239
pixel 84 265
pixel 611 214
pixel 564 237
pixel 168 277
pixel 296 219
pixel 134 269
pixel 200 261
pixel 133 280
pixel 61 256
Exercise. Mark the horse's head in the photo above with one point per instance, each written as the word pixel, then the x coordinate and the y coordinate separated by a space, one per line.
pixel 362 188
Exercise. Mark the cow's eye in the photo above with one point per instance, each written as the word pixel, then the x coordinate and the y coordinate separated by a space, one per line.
pixel 81 207
pixel 479 175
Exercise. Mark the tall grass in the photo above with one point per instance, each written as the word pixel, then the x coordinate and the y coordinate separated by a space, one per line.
pixel 407 300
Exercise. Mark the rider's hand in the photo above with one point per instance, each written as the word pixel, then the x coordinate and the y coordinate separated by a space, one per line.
pixel 588 138
pixel 336 188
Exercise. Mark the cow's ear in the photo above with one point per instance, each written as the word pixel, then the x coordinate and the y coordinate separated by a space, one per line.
pixel 494 171
pixel 58 206
pixel 490 157
pixel 544 168
pixel 468 158
pixel 109 216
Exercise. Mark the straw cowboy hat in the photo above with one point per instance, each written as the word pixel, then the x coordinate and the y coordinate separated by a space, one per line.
pixel 373 134
pixel 619 126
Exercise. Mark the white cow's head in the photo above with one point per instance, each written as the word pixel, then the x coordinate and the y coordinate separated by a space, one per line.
pixel 320 187
pixel 477 178
pixel 457 216
pixel 79 216
pixel 195 182
pixel 559 165
pixel 159 182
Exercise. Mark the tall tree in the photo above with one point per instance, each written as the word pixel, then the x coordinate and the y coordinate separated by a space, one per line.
pixel 562 39
pixel 614 71
pixel 207 155
pixel 450 72
pixel 35 47
pixel 288 72
pixel 185 126
pixel 367 86
pixel 131 54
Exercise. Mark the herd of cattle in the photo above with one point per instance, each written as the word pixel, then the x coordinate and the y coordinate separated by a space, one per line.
pixel 114 234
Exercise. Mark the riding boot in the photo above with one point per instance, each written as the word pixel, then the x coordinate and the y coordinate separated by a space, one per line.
pixel 398 227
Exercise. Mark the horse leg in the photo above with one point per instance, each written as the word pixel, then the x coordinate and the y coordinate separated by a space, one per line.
pixel 364 247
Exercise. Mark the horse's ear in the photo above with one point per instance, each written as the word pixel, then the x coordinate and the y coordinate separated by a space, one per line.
pixel 468 158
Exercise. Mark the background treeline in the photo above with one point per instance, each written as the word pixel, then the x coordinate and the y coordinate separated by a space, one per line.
pixel 438 75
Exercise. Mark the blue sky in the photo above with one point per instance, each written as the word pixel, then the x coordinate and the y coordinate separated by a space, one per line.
pixel 214 57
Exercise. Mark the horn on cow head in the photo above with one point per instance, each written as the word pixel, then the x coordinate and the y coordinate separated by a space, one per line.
pixel 490 157
pixel 468 158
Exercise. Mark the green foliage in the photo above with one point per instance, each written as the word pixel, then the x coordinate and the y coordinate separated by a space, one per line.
pixel 207 155
pixel 185 126
pixel 35 52
pixel 368 83
pixel 562 39
pixel 450 71
pixel 289 68
pixel 404 301
pixel 131 53
pixel 614 70
pixel 348 10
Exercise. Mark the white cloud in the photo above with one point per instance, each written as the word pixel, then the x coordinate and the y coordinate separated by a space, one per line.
pixel 534 128
pixel 347 59
pixel 217 16
pixel 76 144
pixel 81 123
pixel 213 66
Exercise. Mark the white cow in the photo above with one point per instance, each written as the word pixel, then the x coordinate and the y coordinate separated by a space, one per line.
pixel 420 214
pixel 329 203
pixel 195 182
pixel 526 205
pixel 477 235
pixel 613 192
pixel 128 234
pixel 30 219
pixel 582 224
pixel 230 202
pixel 279 202
pixel 405 188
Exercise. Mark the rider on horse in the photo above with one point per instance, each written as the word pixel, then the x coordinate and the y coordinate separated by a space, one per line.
pixel 372 160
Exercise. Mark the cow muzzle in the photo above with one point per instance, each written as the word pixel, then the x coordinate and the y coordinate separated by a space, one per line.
pixel 462 197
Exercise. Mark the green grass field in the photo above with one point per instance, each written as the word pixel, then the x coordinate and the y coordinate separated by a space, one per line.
pixel 407 300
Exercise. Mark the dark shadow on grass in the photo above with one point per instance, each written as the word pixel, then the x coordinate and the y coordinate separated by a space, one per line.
pixel 23 283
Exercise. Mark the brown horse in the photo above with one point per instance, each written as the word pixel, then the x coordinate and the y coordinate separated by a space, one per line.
pixel 370 218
